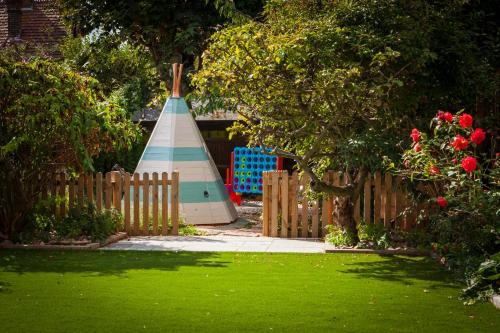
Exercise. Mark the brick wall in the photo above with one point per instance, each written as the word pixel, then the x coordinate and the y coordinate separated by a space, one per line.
pixel 39 24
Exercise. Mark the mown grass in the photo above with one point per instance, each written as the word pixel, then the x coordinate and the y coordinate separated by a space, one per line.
pixel 42 291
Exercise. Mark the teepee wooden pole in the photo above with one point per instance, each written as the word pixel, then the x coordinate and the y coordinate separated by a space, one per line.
pixel 176 86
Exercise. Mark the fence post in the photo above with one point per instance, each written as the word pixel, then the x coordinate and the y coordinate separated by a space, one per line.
pixel 108 191
pixel 367 199
pixel 294 212
pixel 155 203
pixel 275 203
pixel 388 199
pixel 164 203
pixel 136 204
pixel 117 191
pixel 324 210
pixel 81 189
pixel 98 191
pixel 90 187
pixel 126 189
pixel 305 207
pixel 377 197
pixel 284 204
pixel 399 202
pixel 265 203
pixel 145 203
pixel 315 220
pixel 175 203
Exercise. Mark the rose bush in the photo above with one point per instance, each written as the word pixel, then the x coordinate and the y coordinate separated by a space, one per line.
pixel 461 179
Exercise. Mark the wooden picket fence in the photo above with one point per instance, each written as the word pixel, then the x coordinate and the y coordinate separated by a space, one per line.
pixel 288 212
pixel 149 204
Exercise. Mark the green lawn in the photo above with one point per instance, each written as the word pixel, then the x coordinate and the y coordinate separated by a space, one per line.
pixel 231 292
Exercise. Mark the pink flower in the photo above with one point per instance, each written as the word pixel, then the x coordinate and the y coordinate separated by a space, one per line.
pixel 415 135
pixel 478 136
pixel 460 143
pixel 417 148
pixel 455 161
pixel 469 164
pixel 442 202
pixel 465 120
pixel 434 170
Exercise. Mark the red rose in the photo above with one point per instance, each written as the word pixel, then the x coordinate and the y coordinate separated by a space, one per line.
pixel 415 135
pixel 442 202
pixel 434 170
pixel 460 143
pixel 469 164
pixel 417 147
pixel 478 136
pixel 465 120
pixel 448 117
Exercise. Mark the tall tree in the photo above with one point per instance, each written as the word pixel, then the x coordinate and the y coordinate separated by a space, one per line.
pixel 332 84
pixel 173 31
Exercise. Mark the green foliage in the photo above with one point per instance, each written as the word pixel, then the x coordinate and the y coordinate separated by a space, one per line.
pixel 189 230
pixel 463 199
pixel 331 84
pixel 172 30
pixel 81 221
pixel 340 237
pixel 485 282
pixel 374 235
pixel 125 72
pixel 87 221
pixel 52 118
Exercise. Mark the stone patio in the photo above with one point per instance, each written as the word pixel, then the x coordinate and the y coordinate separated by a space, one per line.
pixel 218 244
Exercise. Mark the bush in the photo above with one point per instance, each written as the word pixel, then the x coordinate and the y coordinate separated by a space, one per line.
pixel 87 221
pixel 81 222
pixel 340 237
pixel 52 118
pixel 461 181
pixel 485 282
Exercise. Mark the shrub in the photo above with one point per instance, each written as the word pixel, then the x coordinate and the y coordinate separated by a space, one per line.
pixel 340 237
pixel 81 221
pixel 461 179
pixel 51 118
pixel 374 235
pixel 485 282
pixel 87 221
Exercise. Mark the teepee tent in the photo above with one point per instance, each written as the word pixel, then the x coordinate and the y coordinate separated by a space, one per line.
pixel 176 144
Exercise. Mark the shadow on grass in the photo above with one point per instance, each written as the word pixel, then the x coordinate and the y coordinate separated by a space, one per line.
pixel 100 263
pixel 4 287
pixel 404 270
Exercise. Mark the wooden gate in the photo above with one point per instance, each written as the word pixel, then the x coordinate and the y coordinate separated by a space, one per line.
pixel 288 212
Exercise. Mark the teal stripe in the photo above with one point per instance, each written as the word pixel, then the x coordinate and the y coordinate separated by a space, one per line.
pixel 174 154
pixel 193 192
pixel 176 105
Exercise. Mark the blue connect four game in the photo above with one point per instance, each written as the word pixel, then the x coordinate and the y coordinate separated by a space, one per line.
pixel 248 165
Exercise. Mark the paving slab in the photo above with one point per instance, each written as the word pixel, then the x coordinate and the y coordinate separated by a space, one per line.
pixel 218 244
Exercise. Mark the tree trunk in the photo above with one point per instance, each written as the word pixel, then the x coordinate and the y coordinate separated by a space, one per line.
pixel 345 215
